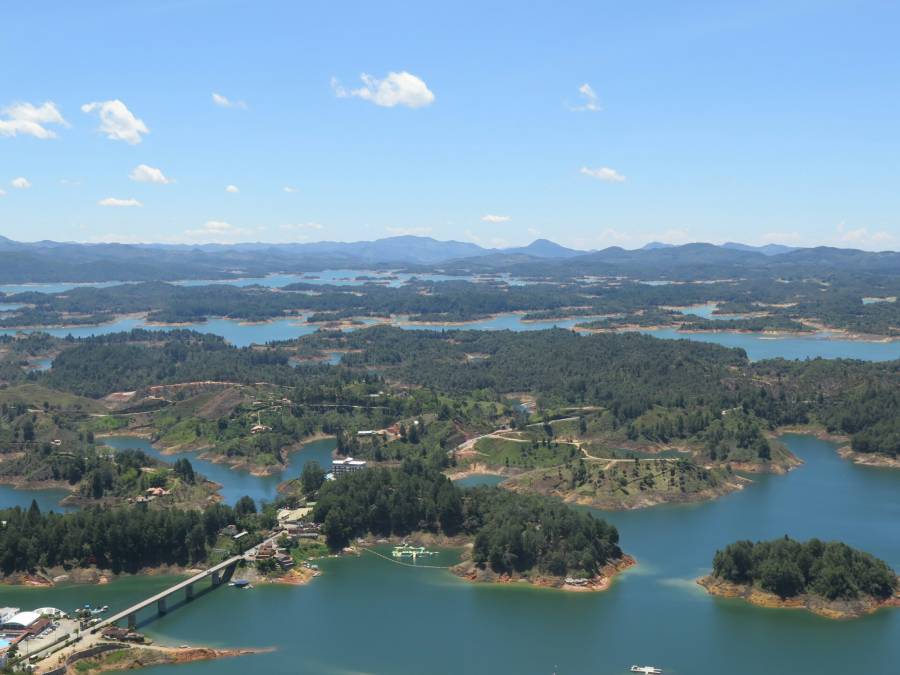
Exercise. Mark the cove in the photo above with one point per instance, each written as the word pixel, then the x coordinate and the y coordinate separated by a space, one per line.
pixel 236 483
pixel 366 615
pixel 760 347
pixel 47 499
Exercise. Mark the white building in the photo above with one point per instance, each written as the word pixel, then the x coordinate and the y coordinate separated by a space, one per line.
pixel 7 613
pixel 346 465
pixel 22 620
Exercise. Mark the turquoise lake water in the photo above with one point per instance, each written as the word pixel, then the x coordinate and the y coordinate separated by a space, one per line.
pixel 367 615
pixel 757 347
pixel 236 484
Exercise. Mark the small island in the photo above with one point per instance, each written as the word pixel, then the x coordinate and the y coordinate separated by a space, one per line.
pixel 830 579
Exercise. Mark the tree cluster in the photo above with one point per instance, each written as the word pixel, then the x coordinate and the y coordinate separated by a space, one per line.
pixel 789 568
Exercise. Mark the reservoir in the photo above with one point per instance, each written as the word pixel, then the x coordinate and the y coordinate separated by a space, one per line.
pixel 367 615
pixel 758 347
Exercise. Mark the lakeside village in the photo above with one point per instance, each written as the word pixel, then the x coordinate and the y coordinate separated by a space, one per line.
pixel 30 636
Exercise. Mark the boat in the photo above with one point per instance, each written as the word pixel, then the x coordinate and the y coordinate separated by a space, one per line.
pixel 240 583
pixel 648 670
pixel 407 551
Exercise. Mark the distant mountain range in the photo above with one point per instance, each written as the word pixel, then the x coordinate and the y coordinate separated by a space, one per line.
pixel 47 261
pixel 767 249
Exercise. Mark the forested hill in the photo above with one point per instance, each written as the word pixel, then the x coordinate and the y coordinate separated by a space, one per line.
pixel 678 387
pixel 660 389
pixel 629 370
pixel 100 365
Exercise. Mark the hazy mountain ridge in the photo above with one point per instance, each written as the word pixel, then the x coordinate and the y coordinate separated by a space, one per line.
pixel 48 261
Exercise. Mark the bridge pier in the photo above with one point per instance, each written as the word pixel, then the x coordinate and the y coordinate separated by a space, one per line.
pixel 217 574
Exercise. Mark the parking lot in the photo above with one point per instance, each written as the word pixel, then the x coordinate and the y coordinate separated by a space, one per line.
pixel 55 631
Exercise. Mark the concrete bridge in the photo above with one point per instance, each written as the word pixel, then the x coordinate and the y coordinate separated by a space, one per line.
pixel 218 574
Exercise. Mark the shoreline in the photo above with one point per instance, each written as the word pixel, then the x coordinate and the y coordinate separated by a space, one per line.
pixel 100 655
pixel 88 576
pixel 203 452
pixel 477 469
pixel 823 333
pixel 602 581
pixel 829 609
pixel 516 480
pixel 870 459
pixel 648 501
pixel 818 330
pixel 844 449
pixel 20 483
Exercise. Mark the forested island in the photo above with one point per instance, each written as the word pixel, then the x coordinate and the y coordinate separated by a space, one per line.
pixel 513 536
pixel 827 578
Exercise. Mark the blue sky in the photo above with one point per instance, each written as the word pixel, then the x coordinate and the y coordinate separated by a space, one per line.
pixel 709 121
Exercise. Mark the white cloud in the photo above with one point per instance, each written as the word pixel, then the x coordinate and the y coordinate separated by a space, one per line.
pixel 589 100
pixel 217 231
pixel 2 192
pixel 147 174
pixel 225 102
pixel 20 183
pixel 117 121
pixel 288 188
pixel 861 236
pixel 495 219
pixel 401 88
pixel 411 231
pixel 604 173
pixel 534 232
pixel 31 120
pixel 233 189
pixel 115 201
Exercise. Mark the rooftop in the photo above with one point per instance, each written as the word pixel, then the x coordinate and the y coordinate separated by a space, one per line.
pixel 22 620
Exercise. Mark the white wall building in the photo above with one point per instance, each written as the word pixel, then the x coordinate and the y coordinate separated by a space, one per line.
pixel 346 465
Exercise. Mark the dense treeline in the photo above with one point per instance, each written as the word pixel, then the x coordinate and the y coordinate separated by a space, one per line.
pixel 513 532
pixel 121 539
pixel 654 389
pixel 97 366
pixel 855 398
pixel 661 390
pixel 789 568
